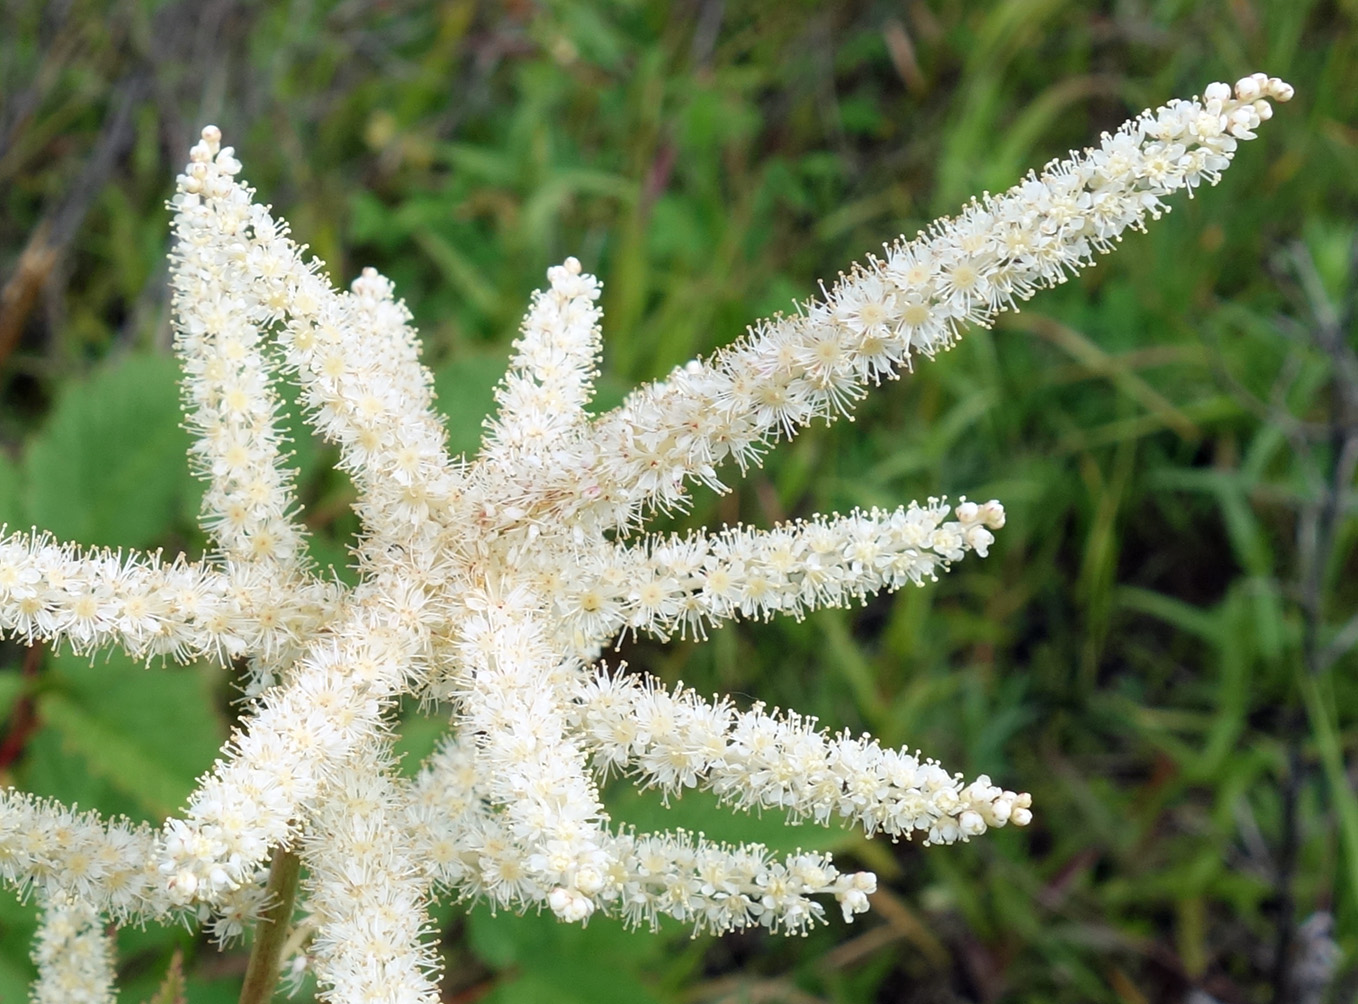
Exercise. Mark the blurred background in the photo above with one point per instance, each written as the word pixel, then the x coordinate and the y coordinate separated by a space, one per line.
pixel 1161 646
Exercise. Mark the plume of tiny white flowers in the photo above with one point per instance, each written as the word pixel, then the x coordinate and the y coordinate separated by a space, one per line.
pixel 551 375
pixel 369 892
pixel 493 584
pixel 73 955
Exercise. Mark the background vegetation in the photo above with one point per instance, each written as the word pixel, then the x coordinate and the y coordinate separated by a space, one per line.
pixel 1160 647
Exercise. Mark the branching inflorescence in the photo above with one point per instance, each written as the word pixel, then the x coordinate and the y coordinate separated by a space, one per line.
pixel 493 584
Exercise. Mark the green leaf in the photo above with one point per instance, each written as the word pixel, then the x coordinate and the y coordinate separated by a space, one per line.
pixel 214 989
pixel 547 960
pixel 109 468
pixel 147 731
pixel 419 735
pixel 466 395
pixel 52 769
pixel 331 556
pixel 459 270
pixel 18 924
pixel 305 446
pixel 701 812
pixel 11 686
pixel 113 755
pixel 573 981
pixel 11 494
pixel 14 977
pixel 1186 617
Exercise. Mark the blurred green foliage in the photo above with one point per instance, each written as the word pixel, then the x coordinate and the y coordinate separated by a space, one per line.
pixel 1160 645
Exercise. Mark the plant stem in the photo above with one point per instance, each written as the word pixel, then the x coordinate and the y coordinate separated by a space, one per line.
pixel 261 975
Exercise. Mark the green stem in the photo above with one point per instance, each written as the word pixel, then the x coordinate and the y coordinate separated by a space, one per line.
pixel 266 956
pixel 1320 707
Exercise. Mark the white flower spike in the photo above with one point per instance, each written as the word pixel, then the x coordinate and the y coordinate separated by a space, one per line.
pixel 494 584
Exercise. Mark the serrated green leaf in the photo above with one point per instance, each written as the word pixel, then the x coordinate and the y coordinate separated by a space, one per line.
pixel 109 466
pixel 50 769
pixel 148 731
pixel 601 962
pixel 113 755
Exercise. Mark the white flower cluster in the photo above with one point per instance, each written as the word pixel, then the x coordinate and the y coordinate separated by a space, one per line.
pixel 493 584
pixel 74 957
pixel 763 760
pixel 93 599
pixel 684 584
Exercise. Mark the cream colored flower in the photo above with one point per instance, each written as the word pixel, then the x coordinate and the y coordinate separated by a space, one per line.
pixel 492 584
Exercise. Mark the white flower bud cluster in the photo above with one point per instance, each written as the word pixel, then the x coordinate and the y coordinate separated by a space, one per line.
pixel 91 599
pixel 73 956
pixel 229 399
pixel 684 584
pixel 233 913
pixel 356 361
pixel 301 734
pixel 533 763
pixel 63 855
pixel 494 583
pixel 551 374
pixel 766 760
pixel 354 355
pixel 368 892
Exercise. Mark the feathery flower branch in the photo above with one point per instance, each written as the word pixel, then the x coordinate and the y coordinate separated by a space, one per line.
pixel 494 584
pixel 918 299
